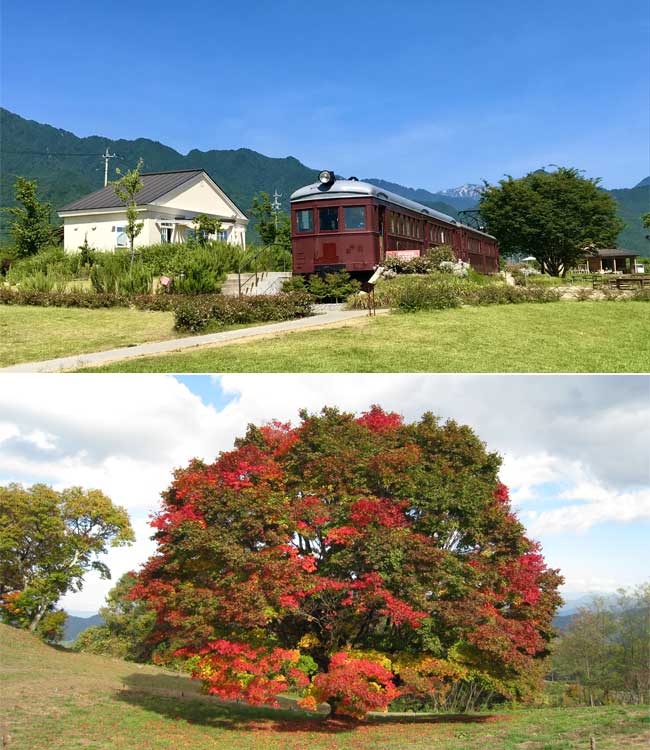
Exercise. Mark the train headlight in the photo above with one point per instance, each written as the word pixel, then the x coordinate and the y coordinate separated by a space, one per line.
pixel 326 177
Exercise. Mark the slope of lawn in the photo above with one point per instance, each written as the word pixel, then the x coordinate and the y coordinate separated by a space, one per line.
pixel 55 699
pixel 553 337
pixel 30 333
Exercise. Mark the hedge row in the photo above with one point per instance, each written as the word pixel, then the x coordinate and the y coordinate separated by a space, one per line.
pixel 437 292
pixel 438 295
pixel 195 313
pixel 192 312
pixel 87 299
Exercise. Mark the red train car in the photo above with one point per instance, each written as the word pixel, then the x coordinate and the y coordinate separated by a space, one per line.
pixel 351 225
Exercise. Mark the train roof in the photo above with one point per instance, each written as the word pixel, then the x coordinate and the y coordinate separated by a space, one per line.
pixel 353 188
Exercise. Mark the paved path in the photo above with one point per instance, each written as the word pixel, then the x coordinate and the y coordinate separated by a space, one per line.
pixel 97 359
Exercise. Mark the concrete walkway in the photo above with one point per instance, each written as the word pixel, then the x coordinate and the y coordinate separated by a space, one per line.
pixel 97 359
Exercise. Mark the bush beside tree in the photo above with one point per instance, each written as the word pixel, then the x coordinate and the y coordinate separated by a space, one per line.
pixel 127 627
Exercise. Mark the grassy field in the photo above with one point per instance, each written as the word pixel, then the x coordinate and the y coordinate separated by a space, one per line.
pixel 554 337
pixel 30 334
pixel 53 698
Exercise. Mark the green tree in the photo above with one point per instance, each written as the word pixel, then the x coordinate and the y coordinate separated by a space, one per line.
pixel 274 227
pixel 48 541
pixel 126 188
pixel 645 218
pixel 557 217
pixel 128 623
pixel 30 228
pixel 205 226
pixel 633 633
pixel 587 652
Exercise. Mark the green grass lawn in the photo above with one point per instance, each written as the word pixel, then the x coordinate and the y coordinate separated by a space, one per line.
pixel 53 699
pixel 553 337
pixel 30 334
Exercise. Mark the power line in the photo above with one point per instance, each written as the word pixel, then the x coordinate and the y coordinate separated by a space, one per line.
pixel 53 153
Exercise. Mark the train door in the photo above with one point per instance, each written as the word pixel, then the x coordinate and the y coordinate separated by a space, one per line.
pixel 380 226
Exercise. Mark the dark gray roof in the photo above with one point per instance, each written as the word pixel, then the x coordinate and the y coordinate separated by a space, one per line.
pixel 614 252
pixel 155 184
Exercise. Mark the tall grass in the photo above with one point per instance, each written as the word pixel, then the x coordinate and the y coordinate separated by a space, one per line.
pixel 194 268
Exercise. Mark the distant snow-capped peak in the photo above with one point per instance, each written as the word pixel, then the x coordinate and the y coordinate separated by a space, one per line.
pixel 468 190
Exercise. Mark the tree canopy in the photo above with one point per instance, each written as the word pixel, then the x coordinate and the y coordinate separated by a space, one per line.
pixel 48 541
pixel 356 559
pixel 557 217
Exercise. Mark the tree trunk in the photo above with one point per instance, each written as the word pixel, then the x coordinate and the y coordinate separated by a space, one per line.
pixel 34 623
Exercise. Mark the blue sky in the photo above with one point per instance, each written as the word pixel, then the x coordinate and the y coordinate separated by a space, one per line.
pixel 429 94
pixel 575 448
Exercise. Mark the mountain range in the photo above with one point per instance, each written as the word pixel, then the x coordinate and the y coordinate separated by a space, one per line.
pixel 67 167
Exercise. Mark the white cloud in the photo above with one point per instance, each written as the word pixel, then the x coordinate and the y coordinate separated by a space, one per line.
pixel 601 505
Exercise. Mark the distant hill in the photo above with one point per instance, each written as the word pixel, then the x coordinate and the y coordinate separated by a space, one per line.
pixel 75 625
pixel 632 203
pixel 562 622
pixel 68 167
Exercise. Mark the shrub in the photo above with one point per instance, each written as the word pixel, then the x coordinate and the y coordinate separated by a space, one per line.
pixel 584 293
pixel 330 287
pixel 438 255
pixel 423 295
pixel 107 271
pixel 294 284
pixel 138 280
pixel 201 272
pixel 642 294
pixel 38 282
pixel 194 314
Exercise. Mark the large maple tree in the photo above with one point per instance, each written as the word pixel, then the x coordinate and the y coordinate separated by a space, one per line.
pixel 353 559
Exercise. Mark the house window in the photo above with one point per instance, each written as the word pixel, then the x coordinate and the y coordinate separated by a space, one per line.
pixel 166 234
pixel 355 217
pixel 121 237
pixel 305 220
pixel 222 235
pixel 328 219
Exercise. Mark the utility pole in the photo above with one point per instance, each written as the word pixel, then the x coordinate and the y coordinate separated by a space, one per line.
pixel 276 206
pixel 106 156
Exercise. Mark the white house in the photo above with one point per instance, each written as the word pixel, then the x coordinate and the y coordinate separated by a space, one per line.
pixel 167 204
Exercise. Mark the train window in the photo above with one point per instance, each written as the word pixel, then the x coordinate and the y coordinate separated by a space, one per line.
pixel 328 219
pixel 305 220
pixel 355 217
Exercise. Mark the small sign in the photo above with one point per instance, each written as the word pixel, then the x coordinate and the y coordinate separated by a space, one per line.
pixel 403 254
